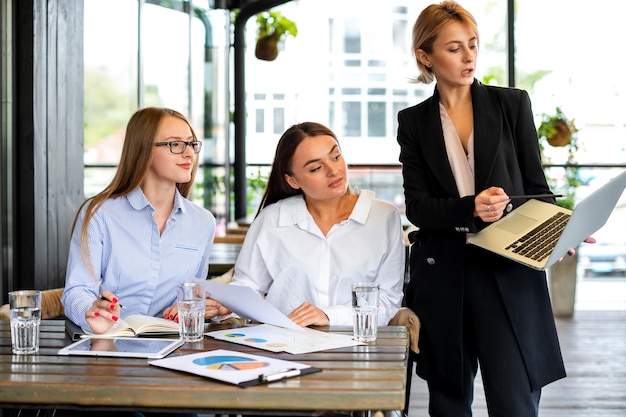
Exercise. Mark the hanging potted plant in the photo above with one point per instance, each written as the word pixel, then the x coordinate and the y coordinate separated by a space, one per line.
pixel 558 131
pixel 272 27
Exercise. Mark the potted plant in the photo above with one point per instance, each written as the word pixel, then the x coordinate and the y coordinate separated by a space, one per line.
pixel 272 27
pixel 558 131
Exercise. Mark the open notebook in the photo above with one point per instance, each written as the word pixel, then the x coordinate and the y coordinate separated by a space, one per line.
pixel 538 234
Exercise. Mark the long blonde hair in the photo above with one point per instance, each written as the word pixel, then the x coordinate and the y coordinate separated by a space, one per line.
pixel 134 164
pixel 429 24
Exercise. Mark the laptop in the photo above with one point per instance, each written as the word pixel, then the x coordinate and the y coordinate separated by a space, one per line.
pixel 537 234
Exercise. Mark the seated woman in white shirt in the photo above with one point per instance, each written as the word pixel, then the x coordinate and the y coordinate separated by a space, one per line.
pixel 313 235
pixel 136 240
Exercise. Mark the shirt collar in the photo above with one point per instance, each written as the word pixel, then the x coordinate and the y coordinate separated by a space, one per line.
pixel 362 207
pixel 293 210
pixel 138 200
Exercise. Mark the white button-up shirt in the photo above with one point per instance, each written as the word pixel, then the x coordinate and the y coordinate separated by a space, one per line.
pixel 286 257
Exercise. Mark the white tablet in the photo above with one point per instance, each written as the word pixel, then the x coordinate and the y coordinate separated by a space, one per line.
pixel 122 346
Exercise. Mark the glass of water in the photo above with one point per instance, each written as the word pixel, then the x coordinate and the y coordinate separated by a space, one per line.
pixel 25 306
pixel 191 301
pixel 365 310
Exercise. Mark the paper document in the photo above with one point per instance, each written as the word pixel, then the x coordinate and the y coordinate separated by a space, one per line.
pixel 247 303
pixel 237 368
pixel 280 339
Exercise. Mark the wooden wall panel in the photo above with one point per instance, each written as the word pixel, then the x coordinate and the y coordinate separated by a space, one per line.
pixel 49 137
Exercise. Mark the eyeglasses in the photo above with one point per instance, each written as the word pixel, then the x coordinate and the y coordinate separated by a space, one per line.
pixel 180 146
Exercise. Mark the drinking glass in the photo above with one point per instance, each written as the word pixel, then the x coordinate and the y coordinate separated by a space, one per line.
pixel 25 306
pixel 365 310
pixel 191 301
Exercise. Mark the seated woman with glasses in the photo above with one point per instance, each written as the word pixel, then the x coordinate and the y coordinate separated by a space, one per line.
pixel 314 235
pixel 137 239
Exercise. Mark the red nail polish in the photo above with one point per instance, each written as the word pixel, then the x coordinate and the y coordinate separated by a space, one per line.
pixel 114 318
pixel 171 316
pixel 115 300
pixel 176 320
pixel 96 314
pixel 112 306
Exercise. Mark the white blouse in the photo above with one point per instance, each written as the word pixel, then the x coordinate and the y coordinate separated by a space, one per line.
pixel 286 257
pixel 462 164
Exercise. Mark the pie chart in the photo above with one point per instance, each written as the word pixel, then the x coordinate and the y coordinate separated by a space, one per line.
pixel 229 363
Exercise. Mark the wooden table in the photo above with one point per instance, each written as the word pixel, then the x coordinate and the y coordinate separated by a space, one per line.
pixel 371 377
pixel 223 257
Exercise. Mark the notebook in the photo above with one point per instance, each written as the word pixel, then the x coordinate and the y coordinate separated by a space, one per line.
pixel 538 234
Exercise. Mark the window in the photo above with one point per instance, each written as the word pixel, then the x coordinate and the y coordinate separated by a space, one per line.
pixel 352 36
pixel 351 115
pixel 159 53
pixel 376 118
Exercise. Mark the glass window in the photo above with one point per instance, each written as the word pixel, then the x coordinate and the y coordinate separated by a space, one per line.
pixel 592 94
pixel 260 120
pixel 376 119
pixel 352 36
pixel 165 75
pixel 110 85
pixel 351 118
pixel 279 121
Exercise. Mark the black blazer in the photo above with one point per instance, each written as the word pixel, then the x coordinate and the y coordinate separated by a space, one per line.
pixel 506 155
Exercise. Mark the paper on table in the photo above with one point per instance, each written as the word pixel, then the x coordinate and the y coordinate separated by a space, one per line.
pixel 247 303
pixel 278 339
pixel 233 367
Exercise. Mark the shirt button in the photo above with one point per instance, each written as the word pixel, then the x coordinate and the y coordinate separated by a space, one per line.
pixel 509 207
pixel 430 261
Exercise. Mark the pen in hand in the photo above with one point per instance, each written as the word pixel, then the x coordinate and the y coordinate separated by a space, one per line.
pixel 511 197
pixel 102 297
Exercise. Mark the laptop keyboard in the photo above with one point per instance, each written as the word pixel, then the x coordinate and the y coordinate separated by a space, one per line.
pixel 539 242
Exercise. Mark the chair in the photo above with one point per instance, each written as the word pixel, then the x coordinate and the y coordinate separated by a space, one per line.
pixel 51 306
pixel 230 238
pixel 407 317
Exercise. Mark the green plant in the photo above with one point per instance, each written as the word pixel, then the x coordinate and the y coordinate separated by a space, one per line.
pixel 558 131
pixel 272 23
pixel 272 27
pixel 256 185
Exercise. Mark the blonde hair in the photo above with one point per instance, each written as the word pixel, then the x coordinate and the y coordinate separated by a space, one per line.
pixel 430 23
pixel 134 163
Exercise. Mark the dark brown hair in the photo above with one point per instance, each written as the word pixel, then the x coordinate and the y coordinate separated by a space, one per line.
pixel 277 187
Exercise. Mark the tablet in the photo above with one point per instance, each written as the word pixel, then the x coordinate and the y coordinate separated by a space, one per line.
pixel 122 346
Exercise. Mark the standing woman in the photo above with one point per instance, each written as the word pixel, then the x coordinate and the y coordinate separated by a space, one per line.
pixel 463 151
pixel 313 235
pixel 137 239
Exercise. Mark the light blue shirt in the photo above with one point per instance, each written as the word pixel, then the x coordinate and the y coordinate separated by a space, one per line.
pixel 131 259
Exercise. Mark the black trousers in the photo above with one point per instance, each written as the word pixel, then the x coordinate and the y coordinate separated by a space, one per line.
pixel 488 340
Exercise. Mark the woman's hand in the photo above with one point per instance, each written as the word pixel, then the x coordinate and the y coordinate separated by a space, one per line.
pixel 212 308
pixel 103 313
pixel 572 251
pixel 309 315
pixel 490 204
